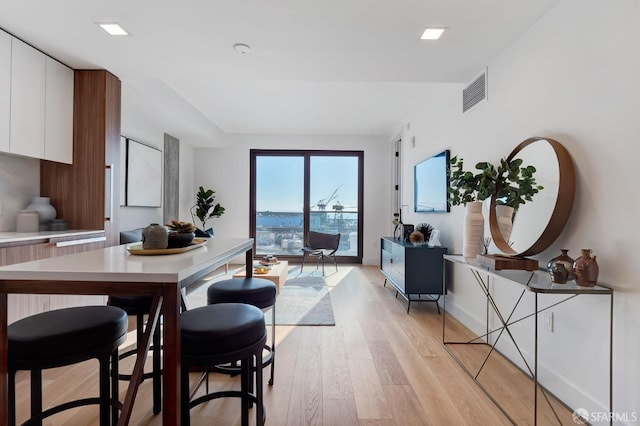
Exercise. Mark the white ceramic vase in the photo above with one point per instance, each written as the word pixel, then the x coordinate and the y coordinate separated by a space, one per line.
pixel 473 231
pixel 45 210
pixel 505 220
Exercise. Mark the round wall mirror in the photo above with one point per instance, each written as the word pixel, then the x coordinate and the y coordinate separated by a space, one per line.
pixel 532 227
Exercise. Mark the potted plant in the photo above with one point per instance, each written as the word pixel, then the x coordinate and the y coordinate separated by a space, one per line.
pixel 466 187
pixel 205 209
pixel 181 234
pixel 513 185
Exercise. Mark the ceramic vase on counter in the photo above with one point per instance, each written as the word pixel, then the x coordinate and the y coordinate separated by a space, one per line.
pixel 45 210
pixel 473 231
pixel 564 261
pixel 27 221
pixel 155 236
pixel 586 269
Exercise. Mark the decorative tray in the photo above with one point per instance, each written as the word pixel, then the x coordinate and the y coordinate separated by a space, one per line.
pixel 138 250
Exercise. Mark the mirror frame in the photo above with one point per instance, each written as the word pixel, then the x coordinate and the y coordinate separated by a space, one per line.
pixel 561 211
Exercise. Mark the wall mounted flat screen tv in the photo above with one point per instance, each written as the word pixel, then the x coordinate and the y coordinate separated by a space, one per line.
pixel 430 184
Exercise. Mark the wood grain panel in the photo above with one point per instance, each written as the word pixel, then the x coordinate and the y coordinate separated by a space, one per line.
pixel 305 406
pixel 371 401
pixel 112 152
pixel 340 413
pixel 387 365
pixel 78 190
pixel 405 407
pixel 336 381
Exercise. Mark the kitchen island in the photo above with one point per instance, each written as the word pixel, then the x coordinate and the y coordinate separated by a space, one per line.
pixel 113 271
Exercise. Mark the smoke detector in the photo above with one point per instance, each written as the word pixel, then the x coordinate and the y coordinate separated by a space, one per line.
pixel 242 48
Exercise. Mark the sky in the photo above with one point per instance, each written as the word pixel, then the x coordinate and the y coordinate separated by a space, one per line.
pixel 280 182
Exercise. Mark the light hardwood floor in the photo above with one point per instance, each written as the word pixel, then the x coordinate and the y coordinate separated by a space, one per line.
pixel 377 366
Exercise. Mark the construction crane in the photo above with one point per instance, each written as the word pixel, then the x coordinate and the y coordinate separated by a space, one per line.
pixel 322 204
pixel 338 209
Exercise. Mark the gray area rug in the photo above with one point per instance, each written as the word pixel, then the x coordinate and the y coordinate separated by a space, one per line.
pixel 303 301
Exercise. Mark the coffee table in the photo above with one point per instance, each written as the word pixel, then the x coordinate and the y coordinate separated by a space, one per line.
pixel 277 274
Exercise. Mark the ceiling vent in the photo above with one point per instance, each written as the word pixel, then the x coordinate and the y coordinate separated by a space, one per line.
pixel 475 92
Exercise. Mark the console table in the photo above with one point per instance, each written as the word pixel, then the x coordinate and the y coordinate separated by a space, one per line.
pixel 113 270
pixel 536 282
pixel 414 270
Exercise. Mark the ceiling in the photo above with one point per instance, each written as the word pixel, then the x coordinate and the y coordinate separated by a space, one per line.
pixel 348 67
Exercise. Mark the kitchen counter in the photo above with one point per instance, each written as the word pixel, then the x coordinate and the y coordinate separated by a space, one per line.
pixel 9 239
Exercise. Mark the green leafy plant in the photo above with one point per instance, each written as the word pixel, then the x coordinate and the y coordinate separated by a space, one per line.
pixel 466 187
pixel 517 185
pixel 205 207
pixel 512 183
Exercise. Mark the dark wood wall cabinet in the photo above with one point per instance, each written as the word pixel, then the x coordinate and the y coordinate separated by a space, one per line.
pixel 416 271
pixel 84 192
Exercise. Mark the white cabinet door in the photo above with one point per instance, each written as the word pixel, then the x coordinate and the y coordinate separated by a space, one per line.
pixel 5 90
pixel 58 124
pixel 28 67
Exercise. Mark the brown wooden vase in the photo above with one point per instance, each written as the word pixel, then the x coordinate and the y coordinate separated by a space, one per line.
pixel 586 269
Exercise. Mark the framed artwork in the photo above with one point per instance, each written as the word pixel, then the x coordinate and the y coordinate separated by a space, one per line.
pixel 143 177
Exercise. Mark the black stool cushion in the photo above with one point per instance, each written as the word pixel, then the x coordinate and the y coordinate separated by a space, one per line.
pixel 65 332
pixel 221 328
pixel 254 291
pixel 132 305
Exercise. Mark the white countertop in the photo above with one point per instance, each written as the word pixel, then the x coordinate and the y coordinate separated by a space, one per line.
pixel 116 264
pixel 12 237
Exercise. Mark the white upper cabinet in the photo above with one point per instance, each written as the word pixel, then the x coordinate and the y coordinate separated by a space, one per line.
pixel 58 127
pixel 28 69
pixel 5 89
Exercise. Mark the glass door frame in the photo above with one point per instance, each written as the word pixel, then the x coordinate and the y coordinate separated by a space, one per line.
pixel 306 154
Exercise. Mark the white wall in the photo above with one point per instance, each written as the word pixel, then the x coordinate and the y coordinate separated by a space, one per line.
pixel 149 127
pixel 572 77
pixel 226 171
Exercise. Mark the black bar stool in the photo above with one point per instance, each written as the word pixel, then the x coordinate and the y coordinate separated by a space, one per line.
pixel 258 292
pixel 139 306
pixel 65 337
pixel 223 333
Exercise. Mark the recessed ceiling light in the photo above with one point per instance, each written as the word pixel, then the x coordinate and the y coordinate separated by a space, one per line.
pixel 113 28
pixel 242 48
pixel 432 33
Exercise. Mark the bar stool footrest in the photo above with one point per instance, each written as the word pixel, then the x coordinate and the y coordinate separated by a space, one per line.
pixel 233 370
pixel 228 394
pixel 127 377
pixel 68 405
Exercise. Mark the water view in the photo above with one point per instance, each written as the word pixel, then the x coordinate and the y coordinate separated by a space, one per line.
pixel 281 233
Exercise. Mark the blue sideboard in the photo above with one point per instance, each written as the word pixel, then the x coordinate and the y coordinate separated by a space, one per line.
pixel 415 271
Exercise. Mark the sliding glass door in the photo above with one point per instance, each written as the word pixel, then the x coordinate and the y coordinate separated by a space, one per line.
pixel 293 192
pixel 279 204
